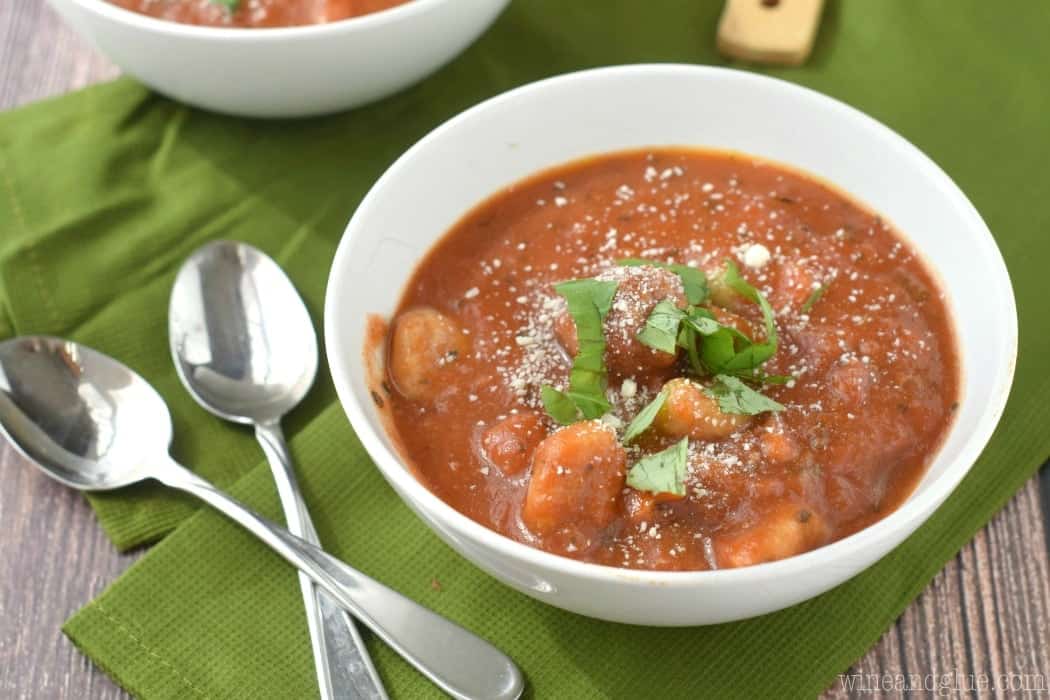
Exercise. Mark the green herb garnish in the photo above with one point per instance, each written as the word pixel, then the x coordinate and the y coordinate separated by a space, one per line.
pixel 702 321
pixel 740 286
pixel 694 281
pixel 734 396
pixel 641 422
pixel 764 378
pixel 696 322
pixel 558 404
pixel 711 347
pixel 230 5
pixel 589 301
pixel 813 298
pixel 663 472
pixel 668 326
pixel 728 351
pixel 661 328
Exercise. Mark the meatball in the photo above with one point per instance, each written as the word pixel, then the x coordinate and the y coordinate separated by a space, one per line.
pixel 425 345
pixel 639 290
pixel 577 476
pixel 790 529
pixel 509 444
pixel 689 412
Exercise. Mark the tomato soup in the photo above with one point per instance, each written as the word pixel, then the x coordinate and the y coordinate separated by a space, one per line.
pixel 671 359
pixel 256 13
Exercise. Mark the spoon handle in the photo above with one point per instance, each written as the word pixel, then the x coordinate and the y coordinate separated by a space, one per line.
pixel 457 661
pixel 344 668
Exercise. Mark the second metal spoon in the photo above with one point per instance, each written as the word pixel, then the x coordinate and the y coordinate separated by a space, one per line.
pixel 91 423
pixel 245 349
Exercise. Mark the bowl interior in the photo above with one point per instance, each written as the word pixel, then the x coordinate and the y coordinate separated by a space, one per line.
pixel 548 123
pixel 164 26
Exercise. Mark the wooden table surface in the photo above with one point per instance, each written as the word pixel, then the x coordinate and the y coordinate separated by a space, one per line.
pixel 987 612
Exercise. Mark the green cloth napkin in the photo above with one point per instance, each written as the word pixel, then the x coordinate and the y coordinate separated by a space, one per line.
pixel 104 192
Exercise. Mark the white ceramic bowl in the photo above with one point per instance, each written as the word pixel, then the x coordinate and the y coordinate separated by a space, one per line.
pixel 285 72
pixel 516 134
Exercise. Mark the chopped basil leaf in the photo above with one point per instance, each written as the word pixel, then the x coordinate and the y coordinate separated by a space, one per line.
pixel 230 5
pixel 687 338
pixel 663 472
pixel 560 407
pixel 667 326
pixel 773 378
pixel 717 350
pixel 736 397
pixel 745 359
pixel 711 347
pixel 702 320
pixel 728 351
pixel 641 422
pixel 661 328
pixel 588 301
pixel 694 281
pixel 813 298
pixel 740 286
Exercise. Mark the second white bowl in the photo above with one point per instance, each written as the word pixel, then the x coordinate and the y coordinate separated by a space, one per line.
pixel 285 72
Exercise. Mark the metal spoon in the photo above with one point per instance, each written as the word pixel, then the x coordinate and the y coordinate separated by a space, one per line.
pixel 91 423
pixel 245 349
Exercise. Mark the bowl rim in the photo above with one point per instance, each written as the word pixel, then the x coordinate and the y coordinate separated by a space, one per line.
pixel 901 522
pixel 405 11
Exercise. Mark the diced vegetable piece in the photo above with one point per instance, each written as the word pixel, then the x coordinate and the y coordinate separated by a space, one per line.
pixel 578 473
pixel 508 445
pixel 690 412
pixel 425 344
pixel 790 529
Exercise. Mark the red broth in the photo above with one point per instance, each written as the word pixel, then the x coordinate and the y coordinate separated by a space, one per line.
pixel 256 13
pixel 480 329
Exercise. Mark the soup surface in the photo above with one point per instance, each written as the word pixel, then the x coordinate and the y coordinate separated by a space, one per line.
pixel 784 384
pixel 256 13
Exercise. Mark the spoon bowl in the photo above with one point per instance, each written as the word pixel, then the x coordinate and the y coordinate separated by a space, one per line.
pixel 87 421
pixel 249 361
pixel 245 349
pixel 93 424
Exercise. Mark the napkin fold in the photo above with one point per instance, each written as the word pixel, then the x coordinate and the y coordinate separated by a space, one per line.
pixel 104 192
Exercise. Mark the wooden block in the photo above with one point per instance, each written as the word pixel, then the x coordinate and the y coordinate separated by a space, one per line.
pixel 769 31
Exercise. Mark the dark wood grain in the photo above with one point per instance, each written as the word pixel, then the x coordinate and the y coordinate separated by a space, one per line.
pixel 53 556
pixel 987 612
pixel 55 559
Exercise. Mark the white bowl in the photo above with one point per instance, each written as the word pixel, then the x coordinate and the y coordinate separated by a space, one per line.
pixel 285 72
pixel 516 134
